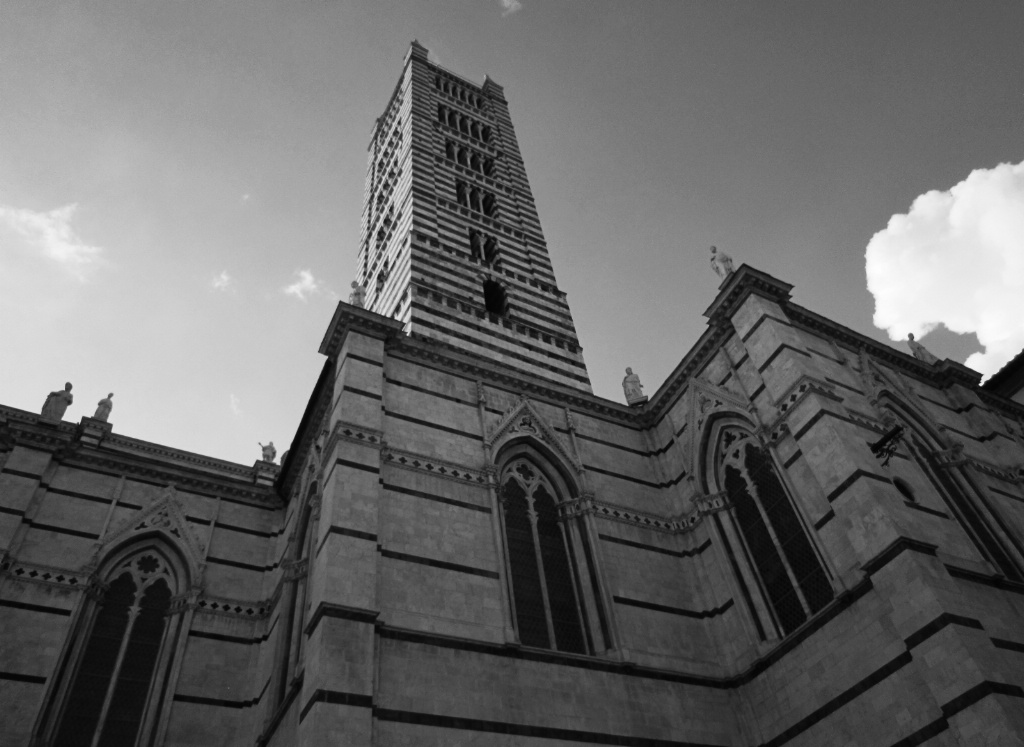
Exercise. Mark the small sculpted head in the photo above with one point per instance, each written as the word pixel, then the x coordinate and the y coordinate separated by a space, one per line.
pixel 910 336
pixel 67 386
pixel 629 370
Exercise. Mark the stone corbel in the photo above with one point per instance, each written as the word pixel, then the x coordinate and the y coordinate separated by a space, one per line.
pixel 713 503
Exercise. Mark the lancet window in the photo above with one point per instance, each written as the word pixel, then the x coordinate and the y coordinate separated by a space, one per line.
pixel 547 599
pixel 783 560
pixel 112 684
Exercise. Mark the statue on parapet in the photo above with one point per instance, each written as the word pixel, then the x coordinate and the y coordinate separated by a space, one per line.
pixel 358 295
pixel 57 403
pixel 632 388
pixel 269 452
pixel 919 351
pixel 103 408
pixel 721 263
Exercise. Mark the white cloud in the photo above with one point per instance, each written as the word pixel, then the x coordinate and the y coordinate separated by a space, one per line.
pixel 305 286
pixel 234 404
pixel 510 6
pixel 223 281
pixel 50 233
pixel 956 258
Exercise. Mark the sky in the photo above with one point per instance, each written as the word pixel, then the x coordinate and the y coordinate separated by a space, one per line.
pixel 181 182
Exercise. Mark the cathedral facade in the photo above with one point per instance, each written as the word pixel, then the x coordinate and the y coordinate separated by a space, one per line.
pixel 803 537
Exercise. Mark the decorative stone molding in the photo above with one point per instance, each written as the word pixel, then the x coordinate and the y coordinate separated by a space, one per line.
pixel 46 575
pixel 166 518
pixel 436 467
pixel 226 607
pixel 712 504
pixel 355 434
pixel 522 419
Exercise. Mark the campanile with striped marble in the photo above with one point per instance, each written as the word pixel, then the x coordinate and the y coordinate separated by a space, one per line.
pixel 450 241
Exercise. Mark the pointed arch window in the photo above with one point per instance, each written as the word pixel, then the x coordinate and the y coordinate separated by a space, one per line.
pixel 785 564
pixel 546 596
pixel 118 667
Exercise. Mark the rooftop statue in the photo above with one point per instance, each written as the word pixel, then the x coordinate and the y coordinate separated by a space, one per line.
pixel 919 351
pixel 358 295
pixel 269 452
pixel 103 408
pixel 721 263
pixel 57 403
pixel 632 387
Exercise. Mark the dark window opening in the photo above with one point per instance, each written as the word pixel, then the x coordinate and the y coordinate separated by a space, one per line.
pixel 495 299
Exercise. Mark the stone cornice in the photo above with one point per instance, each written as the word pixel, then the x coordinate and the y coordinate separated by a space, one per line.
pixel 347 317
pixel 741 284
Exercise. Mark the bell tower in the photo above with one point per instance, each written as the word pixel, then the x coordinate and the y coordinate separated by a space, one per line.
pixel 450 241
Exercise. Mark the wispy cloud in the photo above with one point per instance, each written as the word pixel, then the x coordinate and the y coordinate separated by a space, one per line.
pixel 234 404
pixel 223 282
pixel 305 286
pixel 49 233
pixel 956 258
pixel 510 6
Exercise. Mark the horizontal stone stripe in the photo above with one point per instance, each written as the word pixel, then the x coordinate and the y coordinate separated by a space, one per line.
pixel 224 638
pixel 853 389
pixel 242 530
pixel 357 465
pixel 217 702
pixel 761 320
pixel 879 675
pixel 524 730
pixel 535 361
pixel 437 498
pixel 17 677
pixel 818 416
pixel 34 607
pixel 653 548
pixel 778 351
pixel 757 392
pixel 339 612
pixel 19 473
pixel 82 496
pixel 1006 495
pixel 620 447
pixel 996 582
pixel 849 481
pixel 240 564
pixel 346 532
pixel 713 612
pixel 1008 645
pixel 12 511
pixel 896 548
pixel 944 620
pixel 423 390
pixel 789 462
pixel 979 692
pixel 438 564
pixel 825 519
pixel 943 405
pixel 435 426
pixel 361 392
pixel 637 480
pixel 61 530
pixel 925 509
pixel 361 359
pixel 548 657
pixel 335 697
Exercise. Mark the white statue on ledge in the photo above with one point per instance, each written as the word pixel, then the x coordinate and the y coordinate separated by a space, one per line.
pixel 721 263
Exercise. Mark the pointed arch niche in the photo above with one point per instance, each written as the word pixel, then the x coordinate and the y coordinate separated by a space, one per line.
pixel 956 491
pixel 114 683
pixel 779 570
pixel 554 593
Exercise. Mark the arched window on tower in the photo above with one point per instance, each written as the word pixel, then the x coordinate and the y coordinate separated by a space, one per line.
pixel 489 167
pixel 490 205
pixel 474 162
pixel 114 682
pixel 495 298
pixel 474 130
pixel 545 594
pixel 474 200
pixel 460 193
pixel 449 149
pixel 453 120
pixel 490 249
pixel 442 116
pixel 785 564
pixel 463 157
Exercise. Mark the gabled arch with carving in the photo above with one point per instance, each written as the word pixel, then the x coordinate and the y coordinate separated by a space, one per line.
pixel 705 404
pixel 555 597
pixel 938 458
pixel 117 673
pixel 781 573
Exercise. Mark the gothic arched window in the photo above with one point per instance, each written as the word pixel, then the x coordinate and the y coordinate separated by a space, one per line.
pixel 545 595
pixel 111 691
pixel 785 563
